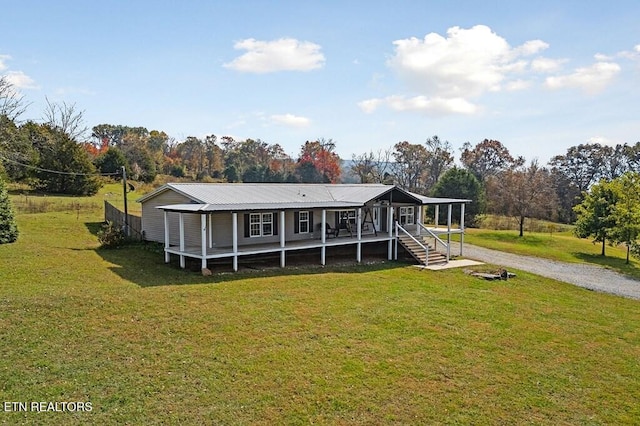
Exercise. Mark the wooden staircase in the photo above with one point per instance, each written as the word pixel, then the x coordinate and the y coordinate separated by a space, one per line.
pixel 418 252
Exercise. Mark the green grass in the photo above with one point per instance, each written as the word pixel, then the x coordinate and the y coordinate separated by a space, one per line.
pixel 561 246
pixel 148 343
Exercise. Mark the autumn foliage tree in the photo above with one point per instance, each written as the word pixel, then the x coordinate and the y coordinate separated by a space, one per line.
pixel 318 162
pixel 488 158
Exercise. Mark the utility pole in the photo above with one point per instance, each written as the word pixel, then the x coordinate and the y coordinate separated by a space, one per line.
pixel 126 211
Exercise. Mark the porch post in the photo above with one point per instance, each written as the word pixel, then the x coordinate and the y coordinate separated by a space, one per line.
pixel 419 220
pixel 462 206
pixel 282 238
pixel 203 240
pixel 390 228
pixel 323 229
pixel 396 241
pixel 210 230
pixel 166 237
pixel 234 228
pixel 437 206
pixel 359 233
pixel 182 263
pixel 448 231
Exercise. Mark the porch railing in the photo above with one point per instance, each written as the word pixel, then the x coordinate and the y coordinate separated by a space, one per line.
pixel 436 239
pixel 399 229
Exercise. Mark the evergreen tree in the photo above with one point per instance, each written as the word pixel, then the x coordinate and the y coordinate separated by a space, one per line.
pixel 112 161
pixel 8 226
pixel 462 184
pixel 74 172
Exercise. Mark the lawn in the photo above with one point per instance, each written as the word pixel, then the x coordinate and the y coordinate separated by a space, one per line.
pixel 149 343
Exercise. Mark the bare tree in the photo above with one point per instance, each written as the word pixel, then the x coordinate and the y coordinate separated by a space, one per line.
pixel 440 159
pixel 522 192
pixel 372 167
pixel 65 118
pixel 488 158
pixel 362 166
pixel 410 166
pixel 12 103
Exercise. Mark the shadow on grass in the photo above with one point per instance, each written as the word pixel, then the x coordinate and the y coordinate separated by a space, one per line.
pixel 143 264
pixel 614 263
pixel 94 227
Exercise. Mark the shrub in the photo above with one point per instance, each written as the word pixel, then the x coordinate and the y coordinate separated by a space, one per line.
pixel 8 226
pixel 111 235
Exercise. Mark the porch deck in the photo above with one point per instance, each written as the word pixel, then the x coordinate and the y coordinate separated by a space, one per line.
pixel 247 250
pixel 196 252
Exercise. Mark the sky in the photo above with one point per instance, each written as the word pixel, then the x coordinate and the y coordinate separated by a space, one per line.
pixel 539 76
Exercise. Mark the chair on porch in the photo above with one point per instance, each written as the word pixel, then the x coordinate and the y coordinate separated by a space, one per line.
pixel 329 231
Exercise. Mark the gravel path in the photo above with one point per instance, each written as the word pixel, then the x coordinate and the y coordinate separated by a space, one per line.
pixel 588 276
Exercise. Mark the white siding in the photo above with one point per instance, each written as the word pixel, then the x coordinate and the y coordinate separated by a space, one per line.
pixel 222 227
pixel 153 218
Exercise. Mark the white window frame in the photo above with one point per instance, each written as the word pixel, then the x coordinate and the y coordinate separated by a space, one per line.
pixel 303 218
pixel 260 225
pixel 350 215
pixel 267 224
pixel 407 215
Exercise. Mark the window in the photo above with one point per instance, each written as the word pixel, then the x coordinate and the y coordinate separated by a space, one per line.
pixel 267 224
pixel 349 215
pixel 303 222
pixel 260 224
pixel 406 215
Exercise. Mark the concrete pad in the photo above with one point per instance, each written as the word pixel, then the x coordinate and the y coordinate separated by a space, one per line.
pixel 452 264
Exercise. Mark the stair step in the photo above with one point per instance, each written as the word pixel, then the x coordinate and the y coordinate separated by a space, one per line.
pixel 418 251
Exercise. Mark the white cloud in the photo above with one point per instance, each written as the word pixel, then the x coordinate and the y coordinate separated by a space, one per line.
pixel 531 48
pixel 290 120
pixel 421 103
pixel 285 54
pixel 370 105
pixel 20 80
pixel 632 55
pixel 603 141
pixel 447 73
pixel 3 59
pixel 466 63
pixel 516 85
pixel 547 65
pixel 601 57
pixel 592 79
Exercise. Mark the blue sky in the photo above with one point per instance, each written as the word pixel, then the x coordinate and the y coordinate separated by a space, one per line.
pixel 538 76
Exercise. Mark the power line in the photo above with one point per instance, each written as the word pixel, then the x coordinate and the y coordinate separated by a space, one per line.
pixel 40 169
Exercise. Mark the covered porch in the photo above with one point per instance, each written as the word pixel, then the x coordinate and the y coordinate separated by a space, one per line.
pixel 322 239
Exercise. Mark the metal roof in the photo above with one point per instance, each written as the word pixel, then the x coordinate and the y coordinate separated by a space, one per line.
pixel 265 196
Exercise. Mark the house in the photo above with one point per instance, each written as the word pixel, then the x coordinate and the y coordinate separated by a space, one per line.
pixel 228 220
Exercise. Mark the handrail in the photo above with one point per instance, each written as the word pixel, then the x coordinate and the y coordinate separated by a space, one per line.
pixel 426 248
pixel 446 246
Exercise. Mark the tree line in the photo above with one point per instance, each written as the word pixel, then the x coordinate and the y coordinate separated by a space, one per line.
pixel 61 155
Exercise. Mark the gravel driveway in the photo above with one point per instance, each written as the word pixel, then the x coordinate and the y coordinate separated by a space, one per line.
pixel 588 276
